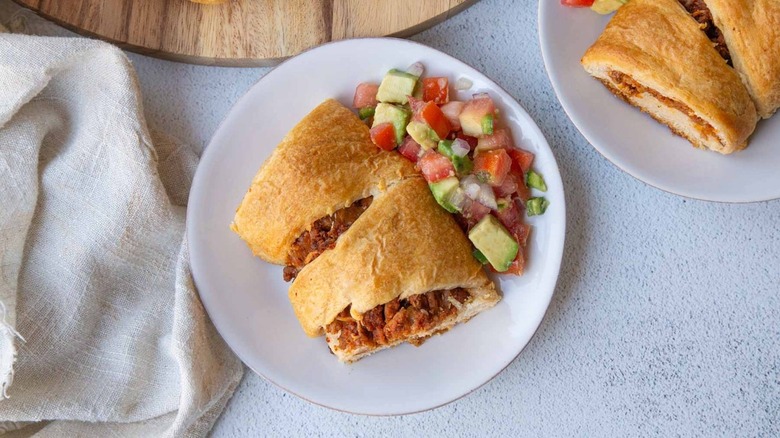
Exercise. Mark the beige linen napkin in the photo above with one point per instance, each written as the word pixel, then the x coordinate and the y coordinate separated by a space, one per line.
pixel 102 331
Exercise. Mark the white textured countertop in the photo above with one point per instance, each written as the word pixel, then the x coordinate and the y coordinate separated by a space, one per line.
pixel 666 318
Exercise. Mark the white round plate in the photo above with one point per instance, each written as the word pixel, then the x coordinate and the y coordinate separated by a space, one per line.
pixel 247 299
pixel 638 144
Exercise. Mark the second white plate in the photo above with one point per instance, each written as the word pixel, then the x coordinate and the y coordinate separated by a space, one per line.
pixel 638 144
pixel 247 299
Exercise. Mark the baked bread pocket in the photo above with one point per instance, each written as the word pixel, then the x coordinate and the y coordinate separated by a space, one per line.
pixel 375 260
pixel 324 164
pixel 751 29
pixel 654 55
pixel 402 272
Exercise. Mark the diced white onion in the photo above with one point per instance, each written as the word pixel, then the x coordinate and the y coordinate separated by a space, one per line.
pixel 486 197
pixel 463 84
pixel 416 69
pixel 479 191
pixel 470 186
pixel 469 179
pixel 480 96
pixel 458 199
pixel 460 147
pixel 452 111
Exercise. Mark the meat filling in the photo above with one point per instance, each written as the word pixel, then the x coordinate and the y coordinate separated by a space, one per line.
pixel 631 88
pixel 397 320
pixel 322 236
pixel 701 13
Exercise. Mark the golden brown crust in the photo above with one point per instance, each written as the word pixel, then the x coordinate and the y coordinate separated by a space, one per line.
pixel 660 46
pixel 326 162
pixel 403 245
pixel 752 32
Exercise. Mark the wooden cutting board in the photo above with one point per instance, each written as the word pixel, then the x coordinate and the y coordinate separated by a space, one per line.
pixel 240 32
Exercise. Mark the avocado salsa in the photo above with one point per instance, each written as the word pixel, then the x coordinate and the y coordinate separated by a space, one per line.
pixel 466 154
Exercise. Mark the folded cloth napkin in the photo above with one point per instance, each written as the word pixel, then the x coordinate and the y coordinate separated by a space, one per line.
pixel 101 329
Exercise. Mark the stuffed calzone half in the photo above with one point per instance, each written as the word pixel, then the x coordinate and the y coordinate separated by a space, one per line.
pixel 374 261
pixel 654 55
pixel 751 30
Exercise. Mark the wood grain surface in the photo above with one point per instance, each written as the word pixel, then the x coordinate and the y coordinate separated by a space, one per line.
pixel 240 32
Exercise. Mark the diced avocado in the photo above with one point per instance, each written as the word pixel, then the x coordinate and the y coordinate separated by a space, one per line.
pixel 503 203
pixel 365 113
pixel 463 165
pixel 533 179
pixel 474 121
pixel 443 190
pixel 536 206
pixel 471 124
pixel 480 257
pixel 418 90
pixel 396 86
pixel 487 124
pixel 607 6
pixel 399 117
pixel 445 148
pixel 467 166
pixel 475 112
pixel 422 134
pixel 494 242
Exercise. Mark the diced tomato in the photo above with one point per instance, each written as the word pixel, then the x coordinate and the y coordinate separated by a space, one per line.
pixel 451 111
pixel 523 192
pixel 474 112
pixel 410 149
pixel 365 95
pixel 475 211
pixel 522 158
pixel 515 179
pixel 472 141
pixel 499 139
pixel 430 114
pixel 508 187
pixel 435 166
pixel 578 3
pixel 383 135
pixel 492 166
pixel 521 162
pixel 433 116
pixel 521 232
pixel 518 264
pixel 436 90
pixel 510 216
pixel 416 105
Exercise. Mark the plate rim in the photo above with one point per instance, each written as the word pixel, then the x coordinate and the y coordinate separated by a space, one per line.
pixel 208 151
pixel 588 135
